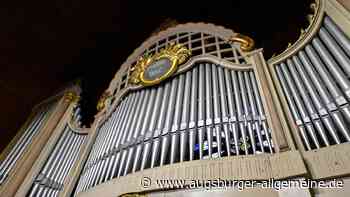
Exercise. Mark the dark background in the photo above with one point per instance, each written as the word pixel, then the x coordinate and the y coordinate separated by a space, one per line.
pixel 46 44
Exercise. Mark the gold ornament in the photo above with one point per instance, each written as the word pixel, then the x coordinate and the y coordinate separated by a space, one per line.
pixel 71 97
pixel 247 43
pixel 101 104
pixel 175 54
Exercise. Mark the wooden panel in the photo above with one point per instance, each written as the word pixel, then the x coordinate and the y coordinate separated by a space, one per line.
pixel 251 167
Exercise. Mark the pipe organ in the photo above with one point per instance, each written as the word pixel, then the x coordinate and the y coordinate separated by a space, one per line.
pixel 316 83
pixel 206 112
pixel 197 102
pixel 51 178
pixel 32 129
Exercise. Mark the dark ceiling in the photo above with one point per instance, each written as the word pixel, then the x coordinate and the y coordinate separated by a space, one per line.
pixel 45 44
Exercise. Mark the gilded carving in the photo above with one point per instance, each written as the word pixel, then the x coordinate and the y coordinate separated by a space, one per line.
pixel 71 97
pixel 174 54
pixel 101 104
pixel 247 43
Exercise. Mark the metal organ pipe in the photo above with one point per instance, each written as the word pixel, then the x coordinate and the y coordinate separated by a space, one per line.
pixel 316 85
pixel 107 163
pixel 68 166
pixel 148 141
pixel 337 34
pixel 62 166
pixel 217 113
pixel 298 87
pixel 260 108
pixel 254 113
pixel 117 132
pixel 128 129
pixel 293 108
pixel 201 110
pixel 322 111
pixel 332 65
pixel 209 109
pixel 231 110
pixel 55 154
pixel 335 50
pixel 124 129
pixel 192 125
pixel 300 105
pixel 240 115
pixel 223 109
pixel 177 119
pixel 160 124
pixel 327 99
pixel 99 155
pixel 168 121
pixel 185 116
pixel 51 178
pixel 119 136
pixel 325 75
pixel 22 141
pixel 21 145
pixel 133 136
pixel 92 170
pixel 246 109
pixel 51 171
pixel 144 129
pixel 136 136
pixel 101 159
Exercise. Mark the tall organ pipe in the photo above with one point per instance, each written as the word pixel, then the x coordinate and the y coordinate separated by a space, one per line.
pixel 261 112
pixel 254 113
pixel 246 111
pixel 19 148
pixel 124 130
pixel 144 129
pixel 231 110
pixel 217 112
pixel 300 105
pixel 160 124
pixel 240 115
pixel 293 109
pixel 331 106
pixel 308 102
pixel 185 116
pixel 152 125
pixel 168 121
pixel 322 111
pixel 192 126
pixel 201 110
pixel 136 127
pixel 177 119
pixel 338 34
pixel 209 108
pixel 130 130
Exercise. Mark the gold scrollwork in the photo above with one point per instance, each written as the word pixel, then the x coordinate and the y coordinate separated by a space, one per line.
pixel 176 53
pixel 247 43
pixel 71 97
pixel 101 104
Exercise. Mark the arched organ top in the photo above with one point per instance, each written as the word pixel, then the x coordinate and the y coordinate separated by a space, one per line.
pixel 200 38
pixel 30 131
pixel 209 111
